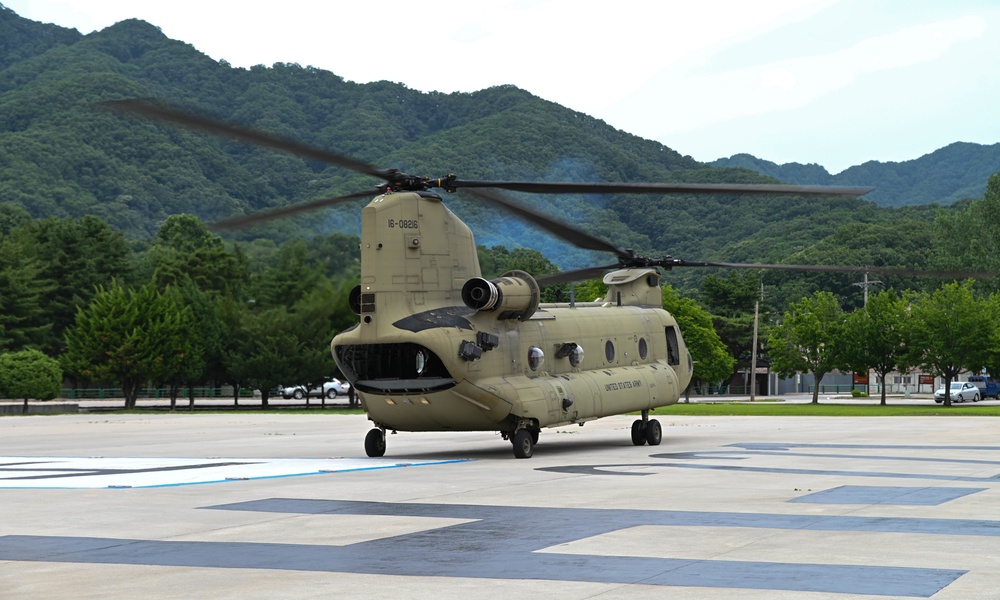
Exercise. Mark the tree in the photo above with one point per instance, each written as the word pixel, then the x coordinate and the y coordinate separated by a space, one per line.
pixel 272 354
pixel 875 336
pixel 76 256
pixel 730 300
pixel 951 332
pixel 22 290
pixel 29 374
pixel 970 238
pixel 236 343
pixel 313 320
pixel 809 339
pixel 590 290
pixel 182 347
pixel 130 338
pixel 712 362
pixel 184 249
pixel 290 279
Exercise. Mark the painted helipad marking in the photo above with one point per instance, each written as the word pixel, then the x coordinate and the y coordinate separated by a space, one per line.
pixel 707 459
pixel 488 546
pixel 107 472
pixel 900 496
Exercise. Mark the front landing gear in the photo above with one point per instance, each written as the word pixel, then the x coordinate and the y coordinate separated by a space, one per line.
pixel 375 443
pixel 646 431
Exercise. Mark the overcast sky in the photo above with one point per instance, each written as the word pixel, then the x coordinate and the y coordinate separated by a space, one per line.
pixel 833 82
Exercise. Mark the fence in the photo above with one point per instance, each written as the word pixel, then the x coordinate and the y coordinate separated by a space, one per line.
pixel 744 390
pixel 154 393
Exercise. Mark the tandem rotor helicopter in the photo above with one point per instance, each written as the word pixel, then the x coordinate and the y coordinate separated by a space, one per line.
pixel 440 348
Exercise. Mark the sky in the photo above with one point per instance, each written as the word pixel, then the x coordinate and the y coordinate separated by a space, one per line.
pixel 832 82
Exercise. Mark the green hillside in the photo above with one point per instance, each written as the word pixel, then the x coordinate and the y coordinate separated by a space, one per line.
pixel 945 176
pixel 60 157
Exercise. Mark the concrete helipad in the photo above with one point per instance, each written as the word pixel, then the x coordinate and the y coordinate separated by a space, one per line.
pixel 250 505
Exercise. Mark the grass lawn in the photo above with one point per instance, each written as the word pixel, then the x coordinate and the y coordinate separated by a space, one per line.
pixel 781 409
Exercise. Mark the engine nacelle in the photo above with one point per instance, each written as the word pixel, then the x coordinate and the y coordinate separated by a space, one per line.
pixel 514 294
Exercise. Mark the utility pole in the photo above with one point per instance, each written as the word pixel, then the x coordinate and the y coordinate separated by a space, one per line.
pixel 753 349
pixel 866 284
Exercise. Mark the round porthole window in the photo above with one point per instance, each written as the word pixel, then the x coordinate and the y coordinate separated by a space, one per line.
pixel 576 356
pixel 643 348
pixel 535 358
pixel 609 351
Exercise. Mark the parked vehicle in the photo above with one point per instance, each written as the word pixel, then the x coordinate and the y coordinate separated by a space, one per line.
pixel 960 392
pixel 988 388
pixel 330 389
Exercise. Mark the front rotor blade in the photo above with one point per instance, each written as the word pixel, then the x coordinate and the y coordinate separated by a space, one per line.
pixel 285 211
pixel 161 112
pixel 577 237
pixel 664 188
pixel 899 271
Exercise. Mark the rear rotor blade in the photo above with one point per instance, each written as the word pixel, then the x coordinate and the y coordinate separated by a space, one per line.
pixel 899 271
pixel 577 275
pixel 670 263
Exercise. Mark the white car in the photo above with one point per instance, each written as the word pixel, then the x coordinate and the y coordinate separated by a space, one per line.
pixel 960 392
pixel 330 389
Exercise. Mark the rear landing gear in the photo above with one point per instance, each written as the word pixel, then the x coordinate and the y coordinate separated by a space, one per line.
pixel 654 434
pixel 638 433
pixel 524 438
pixel 524 443
pixel 375 443
pixel 646 431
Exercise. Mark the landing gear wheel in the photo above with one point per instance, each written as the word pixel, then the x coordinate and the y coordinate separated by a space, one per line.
pixel 523 443
pixel 654 434
pixel 375 443
pixel 638 433
pixel 534 435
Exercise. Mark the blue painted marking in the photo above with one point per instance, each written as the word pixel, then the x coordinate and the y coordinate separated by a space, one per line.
pixel 786 446
pixel 826 472
pixel 596 520
pixel 900 496
pixel 744 451
pixel 424 558
pixel 490 547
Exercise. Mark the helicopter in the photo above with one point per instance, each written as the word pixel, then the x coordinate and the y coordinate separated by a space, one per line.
pixel 438 347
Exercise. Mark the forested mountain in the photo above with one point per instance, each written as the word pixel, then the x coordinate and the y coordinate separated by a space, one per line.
pixel 61 157
pixel 945 176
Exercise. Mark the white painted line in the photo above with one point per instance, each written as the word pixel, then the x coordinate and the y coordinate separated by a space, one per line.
pixel 61 472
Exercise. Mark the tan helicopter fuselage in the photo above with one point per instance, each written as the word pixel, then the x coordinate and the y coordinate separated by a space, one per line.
pixel 439 348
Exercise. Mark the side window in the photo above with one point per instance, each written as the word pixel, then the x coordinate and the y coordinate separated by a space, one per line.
pixel 673 348
pixel 535 358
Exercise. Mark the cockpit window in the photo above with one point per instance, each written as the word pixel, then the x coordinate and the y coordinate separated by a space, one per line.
pixel 393 368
